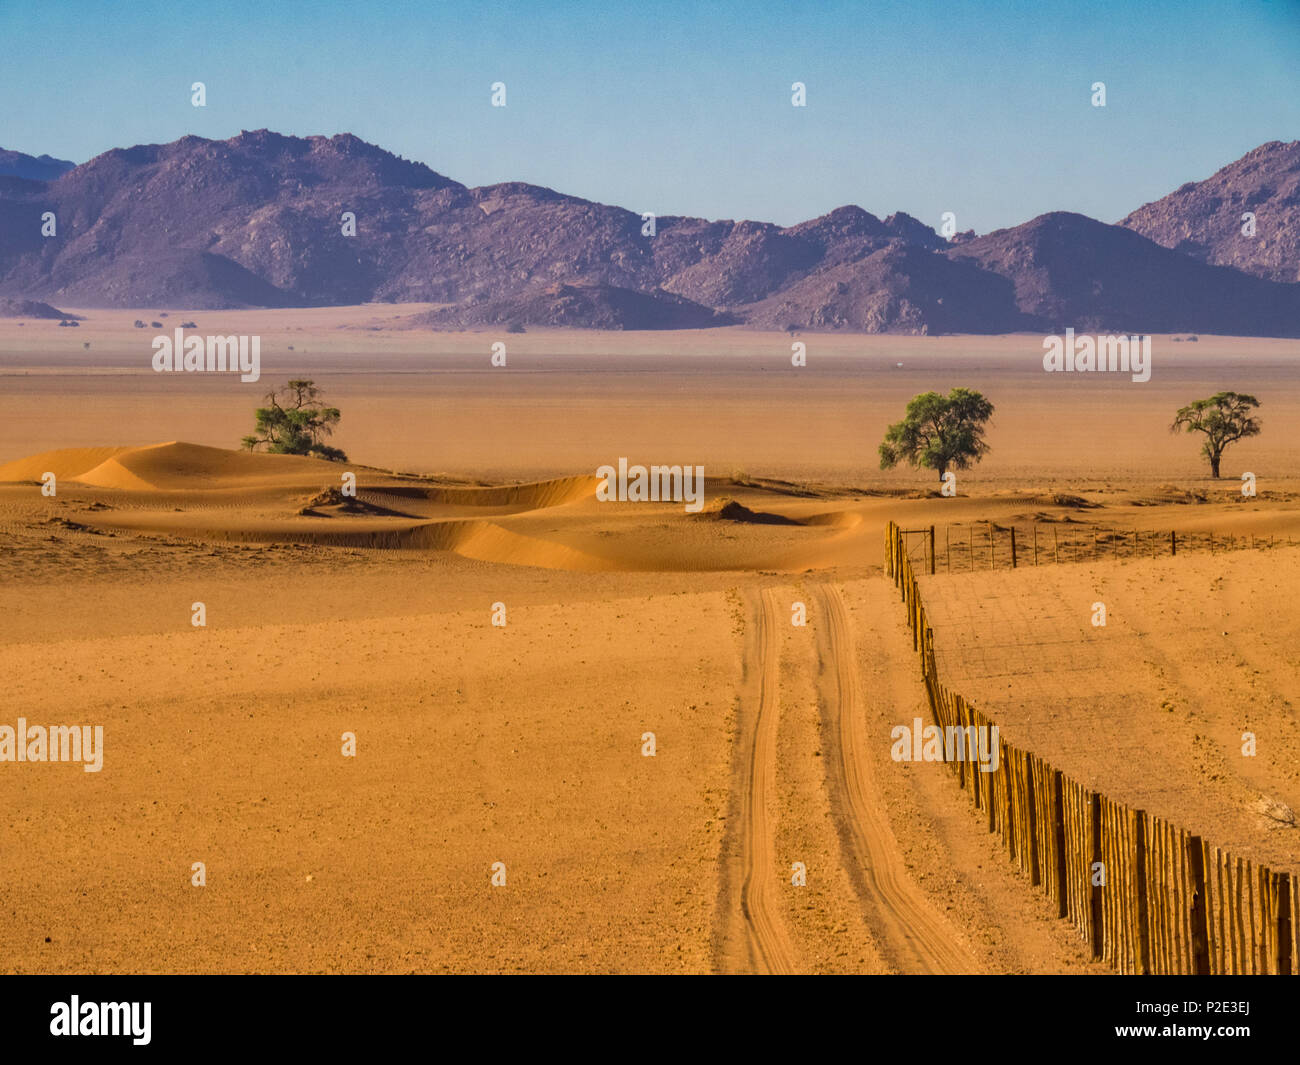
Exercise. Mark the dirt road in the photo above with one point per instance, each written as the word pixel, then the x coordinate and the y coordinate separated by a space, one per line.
pixel 911 932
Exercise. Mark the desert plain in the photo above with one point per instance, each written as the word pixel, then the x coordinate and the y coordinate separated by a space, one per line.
pixel 516 752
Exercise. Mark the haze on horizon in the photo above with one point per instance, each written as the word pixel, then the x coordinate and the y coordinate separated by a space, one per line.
pixel 984 112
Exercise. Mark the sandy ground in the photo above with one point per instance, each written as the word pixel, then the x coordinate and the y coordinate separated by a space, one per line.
pixel 1196 652
pixel 522 744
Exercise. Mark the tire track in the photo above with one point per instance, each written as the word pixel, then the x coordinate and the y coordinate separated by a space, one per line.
pixel 909 930
pixel 756 939
pixel 770 940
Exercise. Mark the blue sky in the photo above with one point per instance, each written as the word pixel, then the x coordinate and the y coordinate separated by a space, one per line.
pixel 981 109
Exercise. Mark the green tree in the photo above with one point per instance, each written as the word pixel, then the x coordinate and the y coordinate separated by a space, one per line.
pixel 1224 418
pixel 296 423
pixel 939 432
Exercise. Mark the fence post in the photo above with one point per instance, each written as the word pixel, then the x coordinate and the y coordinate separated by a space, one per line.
pixel 1173 542
pixel 1031 821
pixel 1143 915
pixel 1284 919
pixel 900 547
pixel 1013 547
pixel 1009 795
pixel 931 550
pixel 916 638
pixel 990 786
pixel 1058 832
pixel 1094 910
pixel 1200 931
pixel 1035 528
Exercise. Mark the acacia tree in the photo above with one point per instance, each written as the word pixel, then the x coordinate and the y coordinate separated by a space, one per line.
pixel 295 423
pixel 1224 418
pixel 939 432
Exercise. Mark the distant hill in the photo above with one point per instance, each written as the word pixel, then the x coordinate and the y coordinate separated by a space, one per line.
pixel 901 288
pixel 1069 270
pixel 32 168
pixel 594 306
pixel 1203 219
pixel 258 220
pixel 10 308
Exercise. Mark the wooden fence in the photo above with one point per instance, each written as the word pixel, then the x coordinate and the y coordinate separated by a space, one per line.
pixel 988 545
pixel 1146 895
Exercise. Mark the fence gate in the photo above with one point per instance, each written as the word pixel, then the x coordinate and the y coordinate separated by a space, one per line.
pixel 919 544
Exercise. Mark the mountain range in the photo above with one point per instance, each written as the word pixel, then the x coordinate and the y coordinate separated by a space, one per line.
pixel 261 219
pixel 32 167
pixel 1206 219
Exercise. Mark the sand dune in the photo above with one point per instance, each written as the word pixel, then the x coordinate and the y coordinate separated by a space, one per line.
pixel 179 466
pixel 176 466
pixel 550 493
pixel 220 496
pixel 214 495
pixel 65 463
pixel 172 466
